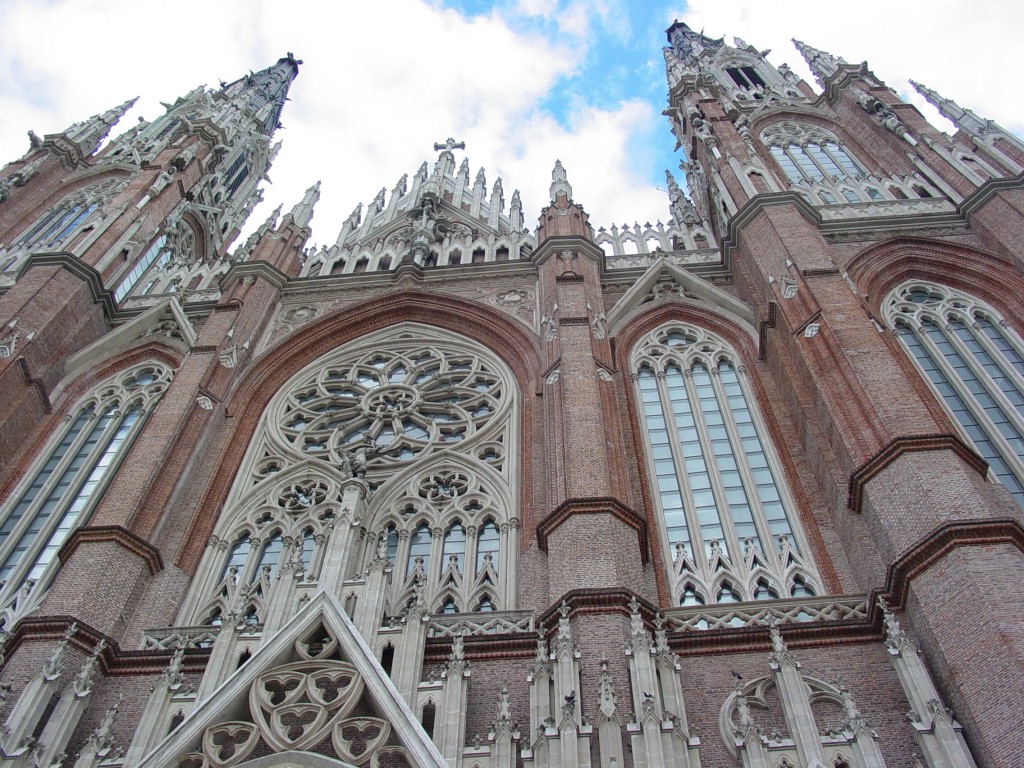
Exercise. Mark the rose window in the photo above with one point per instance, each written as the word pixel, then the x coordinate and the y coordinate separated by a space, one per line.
pixel 388 408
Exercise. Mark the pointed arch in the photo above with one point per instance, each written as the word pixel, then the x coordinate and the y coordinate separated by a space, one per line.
pixel 722 488
pixel 271 370
pixel 69 475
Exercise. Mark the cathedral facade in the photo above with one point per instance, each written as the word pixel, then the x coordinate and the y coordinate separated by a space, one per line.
pixel 739 489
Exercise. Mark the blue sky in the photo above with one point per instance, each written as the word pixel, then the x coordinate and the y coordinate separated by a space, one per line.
pixel 522 82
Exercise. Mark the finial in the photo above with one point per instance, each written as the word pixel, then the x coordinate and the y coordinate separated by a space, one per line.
pixel 559 182
pixel 303 211
pixel 822 64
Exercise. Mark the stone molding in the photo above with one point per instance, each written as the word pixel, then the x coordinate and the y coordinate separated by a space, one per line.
pixel 121 536
pixel 937 544
pixel 593 506
pixel 904 445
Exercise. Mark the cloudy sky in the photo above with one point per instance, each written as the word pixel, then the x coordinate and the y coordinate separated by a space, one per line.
pixel 522 82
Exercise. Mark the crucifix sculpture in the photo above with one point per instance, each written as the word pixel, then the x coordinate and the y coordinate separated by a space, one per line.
pixel 449 145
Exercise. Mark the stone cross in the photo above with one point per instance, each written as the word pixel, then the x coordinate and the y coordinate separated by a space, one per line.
pixel 449 145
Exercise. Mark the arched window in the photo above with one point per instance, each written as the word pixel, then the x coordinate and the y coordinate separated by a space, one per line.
pixel 70 214
pixel 487 545
pixel 975 364
pixel 419 549
pixel 423 416
pixel 237 556
pixel 269 556
pixel 720 492
pixel 148 258
pixel 454 547
pixel 808 153
pixel 69 478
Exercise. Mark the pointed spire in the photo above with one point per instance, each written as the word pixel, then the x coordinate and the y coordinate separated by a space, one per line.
pixel 949 109
pixel 268 87
pixel 679 206
pixel 822 63
pixel 89 134
pixel 559 183
pixel 303 212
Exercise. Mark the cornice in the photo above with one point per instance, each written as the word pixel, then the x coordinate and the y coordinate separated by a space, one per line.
pixel 593 506
pixel 902 446
pixel 121 536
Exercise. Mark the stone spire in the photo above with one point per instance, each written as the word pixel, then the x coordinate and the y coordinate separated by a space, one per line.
pixel 949 109
pixel 88 134
pixel 303 211
pixel 266 91
pixel 559 183
pixel 679 206
pixel 822 63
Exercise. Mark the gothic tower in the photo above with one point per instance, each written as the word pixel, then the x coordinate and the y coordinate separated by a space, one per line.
pixel 739 488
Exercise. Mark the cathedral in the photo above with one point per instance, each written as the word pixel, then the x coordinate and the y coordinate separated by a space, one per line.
pixel 463 490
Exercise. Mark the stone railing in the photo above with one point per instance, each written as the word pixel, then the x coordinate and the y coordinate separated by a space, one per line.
pixel 496 623
pixel 885 208
pixel 171 638
pixel 763 613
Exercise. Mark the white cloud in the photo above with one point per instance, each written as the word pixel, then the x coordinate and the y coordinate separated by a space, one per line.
pixel 381 83
pixel 968 52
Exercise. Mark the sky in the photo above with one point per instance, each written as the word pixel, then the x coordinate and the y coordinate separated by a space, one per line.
pixel 522 82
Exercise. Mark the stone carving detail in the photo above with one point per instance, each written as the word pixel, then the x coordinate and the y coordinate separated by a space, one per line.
pixel 292 317
pixel 297 705
pixel 512 297
pixel 408 401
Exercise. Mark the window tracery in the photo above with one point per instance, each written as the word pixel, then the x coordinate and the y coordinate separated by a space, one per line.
pixel 450 540
pixel 70 214
pixel 725 508
pixel 70 476
pixel 974 362
pixel 396 405
pixel 427 420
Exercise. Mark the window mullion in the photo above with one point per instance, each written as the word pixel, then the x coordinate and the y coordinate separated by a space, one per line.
pixel 762 540
pixel 672 411
pixel 26 541
pixel 54 475
pixel 981 419
pixel 727 535
pixel 976 358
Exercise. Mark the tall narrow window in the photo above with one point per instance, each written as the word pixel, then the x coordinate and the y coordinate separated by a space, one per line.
pixel 132 278
pixel 727 516
pixel 808 153
pixel 974 363
pixel 69 215
pixel 66 483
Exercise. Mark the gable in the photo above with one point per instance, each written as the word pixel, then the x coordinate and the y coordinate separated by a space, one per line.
pixel 663 282
pixel 314 688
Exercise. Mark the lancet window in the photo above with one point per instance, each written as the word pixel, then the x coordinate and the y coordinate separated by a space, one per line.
pixel 451 539
pixel 425 421
pixel 69 478
pixel 728 528
pixel 130 280
pixel 811 156
pixel 67 217
pixel 974 362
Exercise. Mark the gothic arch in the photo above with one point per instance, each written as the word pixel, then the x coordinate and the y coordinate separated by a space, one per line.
pixel 74 386
pixel 740 339
pixel 988 276
pixel 249 399
pixel 31 215
pixel 803 115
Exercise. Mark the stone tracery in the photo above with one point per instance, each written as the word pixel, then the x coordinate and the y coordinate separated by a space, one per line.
pixel 727 521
